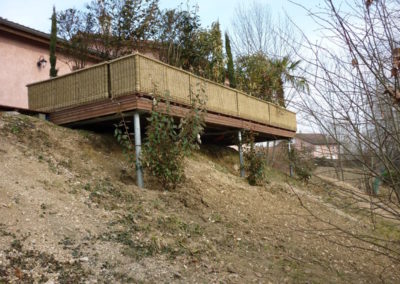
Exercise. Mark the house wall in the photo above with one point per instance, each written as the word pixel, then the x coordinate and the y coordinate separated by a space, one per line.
pixel 19 57
pixel 326 151
pixel 318 151
pixel 300 144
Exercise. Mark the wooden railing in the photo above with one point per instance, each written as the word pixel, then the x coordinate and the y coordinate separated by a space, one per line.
pixel 76 88
pixel 140 74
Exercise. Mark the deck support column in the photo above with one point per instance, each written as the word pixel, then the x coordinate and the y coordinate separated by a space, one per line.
pixel 290 160
pixel 241 154
pixel 42 116
pixel 138 149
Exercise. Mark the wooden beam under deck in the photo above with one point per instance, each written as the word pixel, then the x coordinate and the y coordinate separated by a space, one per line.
pixel 110 109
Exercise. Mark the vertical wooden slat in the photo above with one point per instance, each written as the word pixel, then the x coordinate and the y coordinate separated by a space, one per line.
pixel 252 108
pixel 88 85
pixel 137 73
pixel 123 76
pixel 237 103
pixel 191 88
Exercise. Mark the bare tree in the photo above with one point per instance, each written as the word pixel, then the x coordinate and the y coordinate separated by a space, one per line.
pixel 255 30
pixel 353 78
pixel 265 46
pixel 266 62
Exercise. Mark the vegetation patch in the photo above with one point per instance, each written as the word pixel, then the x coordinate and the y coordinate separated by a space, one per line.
pixel 108 194
pixel 17 124
pixel 23 265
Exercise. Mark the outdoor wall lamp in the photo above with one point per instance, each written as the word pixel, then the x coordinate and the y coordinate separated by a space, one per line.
pixel 41 62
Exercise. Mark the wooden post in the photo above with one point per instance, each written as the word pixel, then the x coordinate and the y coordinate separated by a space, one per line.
pixel 241 154
pixel 138 149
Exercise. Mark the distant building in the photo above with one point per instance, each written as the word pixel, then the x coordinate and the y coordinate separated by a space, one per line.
pixel 24 57
pixel 319 145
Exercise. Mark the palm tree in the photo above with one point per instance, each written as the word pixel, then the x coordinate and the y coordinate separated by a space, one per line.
pixel 266 78
pixel 281 72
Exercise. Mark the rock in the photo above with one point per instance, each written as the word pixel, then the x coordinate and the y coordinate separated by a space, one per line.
pixel 177 275
pixel 84 259
pixel 11 113
pixel 230 268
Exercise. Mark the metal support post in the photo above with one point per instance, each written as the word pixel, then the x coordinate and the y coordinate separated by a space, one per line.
pixel 241 154
pixel 138 149
pixel 290 160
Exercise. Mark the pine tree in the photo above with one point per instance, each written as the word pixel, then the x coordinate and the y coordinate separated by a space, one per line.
pixel 53 43
pixel 231 70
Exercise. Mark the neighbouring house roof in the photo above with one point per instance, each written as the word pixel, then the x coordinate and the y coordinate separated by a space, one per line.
pixel 18 29
pixel 316 138
pixel 35 35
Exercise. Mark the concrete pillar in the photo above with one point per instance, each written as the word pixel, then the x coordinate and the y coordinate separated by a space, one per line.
pixel 138 149
pixel 241 160
pixel 42 116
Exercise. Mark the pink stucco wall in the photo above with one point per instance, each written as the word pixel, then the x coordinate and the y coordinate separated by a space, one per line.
pixel 318 151
pixel 18 67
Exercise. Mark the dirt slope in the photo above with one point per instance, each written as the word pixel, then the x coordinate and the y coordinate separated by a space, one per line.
pixel 70 213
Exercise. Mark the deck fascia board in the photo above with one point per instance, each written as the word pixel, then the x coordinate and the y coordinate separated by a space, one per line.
pixel 140 102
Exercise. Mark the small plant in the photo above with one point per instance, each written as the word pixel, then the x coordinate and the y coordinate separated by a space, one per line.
pixel 15 129
pixel 303 163
pixel 255 163
pixel 124 138
pixel 167 144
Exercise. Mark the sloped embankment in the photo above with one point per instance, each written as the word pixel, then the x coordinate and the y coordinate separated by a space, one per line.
pixel 70 213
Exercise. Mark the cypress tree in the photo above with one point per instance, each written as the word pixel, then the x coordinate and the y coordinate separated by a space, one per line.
pixel 231 70
pixel 53 43
pixel 216 67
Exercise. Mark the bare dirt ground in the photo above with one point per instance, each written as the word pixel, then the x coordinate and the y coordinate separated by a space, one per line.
pixel 70 213
pixel 353 188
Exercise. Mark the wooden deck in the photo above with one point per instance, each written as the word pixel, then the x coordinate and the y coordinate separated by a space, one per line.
pixel 103 92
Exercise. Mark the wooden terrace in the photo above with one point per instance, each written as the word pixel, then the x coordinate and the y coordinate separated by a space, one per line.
pixel 100 94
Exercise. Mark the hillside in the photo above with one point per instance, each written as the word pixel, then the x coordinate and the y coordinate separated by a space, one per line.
pixel 70 212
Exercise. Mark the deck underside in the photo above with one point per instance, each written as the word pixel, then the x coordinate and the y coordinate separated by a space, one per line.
pixel 102 115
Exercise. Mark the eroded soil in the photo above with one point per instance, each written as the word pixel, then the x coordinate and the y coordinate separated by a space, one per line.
pixel 70 213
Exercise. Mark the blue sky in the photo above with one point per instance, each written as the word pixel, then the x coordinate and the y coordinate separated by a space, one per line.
pixel 36 13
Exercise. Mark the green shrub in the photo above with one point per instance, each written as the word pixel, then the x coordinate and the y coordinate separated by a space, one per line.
pixel 254 162
pixel 168 143
pixel 125 139
pixel 303 163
